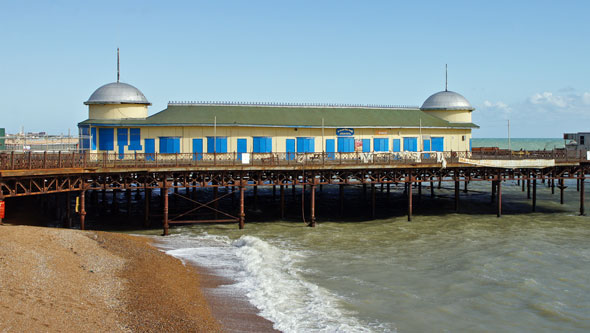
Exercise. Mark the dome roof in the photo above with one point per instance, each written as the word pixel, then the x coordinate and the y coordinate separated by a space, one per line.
pixel 446 100
pixel 117 93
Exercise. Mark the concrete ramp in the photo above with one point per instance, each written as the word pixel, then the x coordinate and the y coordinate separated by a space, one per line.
pixel 509 164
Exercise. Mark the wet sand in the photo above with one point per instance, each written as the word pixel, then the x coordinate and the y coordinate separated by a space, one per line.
pixel 73 281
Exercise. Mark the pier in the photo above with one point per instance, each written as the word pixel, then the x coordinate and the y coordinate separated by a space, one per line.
pixel 180 176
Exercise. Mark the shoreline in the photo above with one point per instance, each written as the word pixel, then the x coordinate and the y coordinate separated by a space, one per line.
pixel 70 280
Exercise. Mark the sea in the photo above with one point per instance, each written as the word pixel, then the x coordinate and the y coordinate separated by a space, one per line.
pixel 442 272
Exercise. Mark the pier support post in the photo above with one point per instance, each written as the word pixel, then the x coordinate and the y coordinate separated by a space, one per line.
pixel 364 192
pixel 409 190
pixel 242 214
pixel 528 186
pixel 432 189
pixel 582 178
pixel 388 189
pixel 534 192
pixel 282 201
pixel 312 222
pixel 493 196
pixel 82 209
pixel 274 192
pixel 553 182
pixel 373 213
pixel 146 217
pixel 561 190
pixel 165 197
pixel 456 195
pixel 439 182
pixel 578 184
pixel 499 209
pixel 522 183
pixel 465 188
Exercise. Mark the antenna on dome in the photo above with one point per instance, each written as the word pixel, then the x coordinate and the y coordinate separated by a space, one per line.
pixel 117 64
pixel 446 78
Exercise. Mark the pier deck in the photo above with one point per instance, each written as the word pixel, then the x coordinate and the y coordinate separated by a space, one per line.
pixel 29 173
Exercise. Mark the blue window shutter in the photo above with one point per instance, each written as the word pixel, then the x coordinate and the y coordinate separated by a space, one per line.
pixel 300 145
pixel 269 145
pixel 177 145
pixel 426 145
pixel 256 144
pixel 163 145
pixel 122 136
pixel 366 145
pixel 210 144
pixel 134 139
pixel 106 138
pixel 396 145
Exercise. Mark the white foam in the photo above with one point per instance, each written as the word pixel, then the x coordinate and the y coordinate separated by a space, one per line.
pixel 271 278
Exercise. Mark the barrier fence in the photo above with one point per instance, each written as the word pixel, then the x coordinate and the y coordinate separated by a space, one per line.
pixel 52 160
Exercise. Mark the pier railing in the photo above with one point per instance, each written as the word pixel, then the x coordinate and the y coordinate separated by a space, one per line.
pixel 56 160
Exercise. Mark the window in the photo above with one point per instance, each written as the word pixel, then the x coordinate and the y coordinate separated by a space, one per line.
pixel 581 139
pixel 410 144
pixel 134 139
pixel 380 144
pixel 169 145
pixel 106 138
pixel 346 144
pixel 305 145
pixel 84 137
pixel 463 138
pixel 262 144
pixel 216 144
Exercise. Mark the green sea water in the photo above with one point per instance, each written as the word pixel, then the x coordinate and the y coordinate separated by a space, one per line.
pixel 444 271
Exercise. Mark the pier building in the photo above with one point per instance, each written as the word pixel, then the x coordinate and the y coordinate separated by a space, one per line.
pixel 118 122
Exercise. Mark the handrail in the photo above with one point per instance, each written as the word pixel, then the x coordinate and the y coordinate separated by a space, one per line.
pixel 83 159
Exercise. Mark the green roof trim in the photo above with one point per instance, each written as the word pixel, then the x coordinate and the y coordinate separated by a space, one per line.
pixel 286 116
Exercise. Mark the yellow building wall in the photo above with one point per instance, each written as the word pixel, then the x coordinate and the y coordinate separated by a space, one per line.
pixel 452 116
pixel 117 111
pixel 454 139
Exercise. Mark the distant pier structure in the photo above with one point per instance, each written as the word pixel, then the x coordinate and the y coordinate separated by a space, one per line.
pixel 233 148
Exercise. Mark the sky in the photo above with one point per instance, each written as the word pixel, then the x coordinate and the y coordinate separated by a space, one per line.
pixel 523 61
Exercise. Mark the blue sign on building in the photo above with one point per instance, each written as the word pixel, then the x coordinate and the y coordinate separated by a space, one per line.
pixel 345 131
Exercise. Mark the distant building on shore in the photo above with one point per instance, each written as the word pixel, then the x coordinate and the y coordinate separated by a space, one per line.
pixel 118 122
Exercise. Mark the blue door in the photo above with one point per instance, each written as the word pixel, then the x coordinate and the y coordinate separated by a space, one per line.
pixel 242 147
pixel 426 146
pixel 410 144
pixel 106 138
pixel 397 145
pixel 366 145
pixel 197 149
pixel 346 145
pixel 330 148
pixel 150 149
pixel 438 144
pixel 290 149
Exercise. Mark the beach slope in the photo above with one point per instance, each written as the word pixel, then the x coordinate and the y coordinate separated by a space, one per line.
pixel 87 281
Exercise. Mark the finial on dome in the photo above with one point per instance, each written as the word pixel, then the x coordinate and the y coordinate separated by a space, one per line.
pixel 117 64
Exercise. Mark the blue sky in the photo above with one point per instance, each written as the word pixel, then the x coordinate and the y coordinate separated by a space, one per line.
pixel 527 61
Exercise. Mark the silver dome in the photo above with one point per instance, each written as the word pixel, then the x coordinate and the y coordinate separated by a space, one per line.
pixel 117 93
pixel 446 100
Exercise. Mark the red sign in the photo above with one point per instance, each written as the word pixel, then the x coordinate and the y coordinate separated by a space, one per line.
pixel 1 209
